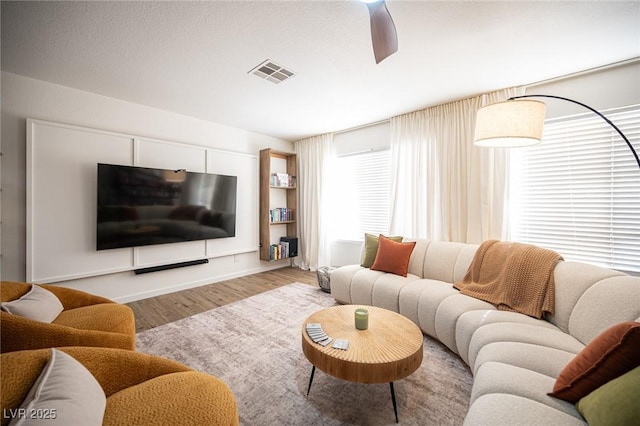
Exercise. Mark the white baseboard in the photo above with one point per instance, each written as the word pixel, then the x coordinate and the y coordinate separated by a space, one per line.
pixel 192 284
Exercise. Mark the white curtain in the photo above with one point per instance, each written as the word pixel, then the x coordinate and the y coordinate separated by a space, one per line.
pixel 442 186
pixel 314 166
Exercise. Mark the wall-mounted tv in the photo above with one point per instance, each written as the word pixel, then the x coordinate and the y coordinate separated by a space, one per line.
pixel 139 206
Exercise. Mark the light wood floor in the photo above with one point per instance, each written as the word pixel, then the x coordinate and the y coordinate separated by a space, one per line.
pixel 171 307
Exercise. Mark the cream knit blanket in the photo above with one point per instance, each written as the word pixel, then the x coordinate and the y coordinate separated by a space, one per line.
pixel 513 276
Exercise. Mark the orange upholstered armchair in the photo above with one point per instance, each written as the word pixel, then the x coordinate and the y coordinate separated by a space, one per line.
pixel 140 389
pixel 86 320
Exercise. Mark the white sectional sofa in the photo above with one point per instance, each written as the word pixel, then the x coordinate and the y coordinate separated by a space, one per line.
pixel 515 359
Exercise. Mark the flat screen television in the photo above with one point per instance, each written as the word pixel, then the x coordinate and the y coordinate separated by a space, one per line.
pixel 139 206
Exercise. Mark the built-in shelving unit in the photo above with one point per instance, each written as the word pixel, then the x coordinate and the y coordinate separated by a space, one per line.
pixel 278 198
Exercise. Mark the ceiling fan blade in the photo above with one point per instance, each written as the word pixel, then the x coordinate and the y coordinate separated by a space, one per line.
pixel 383 31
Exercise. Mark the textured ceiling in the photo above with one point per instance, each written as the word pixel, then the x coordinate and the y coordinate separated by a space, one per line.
pixel 193 58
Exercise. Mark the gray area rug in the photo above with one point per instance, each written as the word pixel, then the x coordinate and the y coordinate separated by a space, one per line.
pixel 254 345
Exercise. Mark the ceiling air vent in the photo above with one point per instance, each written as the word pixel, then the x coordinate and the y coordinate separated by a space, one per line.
pixel 273 72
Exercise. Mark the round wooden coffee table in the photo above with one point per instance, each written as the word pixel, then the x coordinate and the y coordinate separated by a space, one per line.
pixel 389 349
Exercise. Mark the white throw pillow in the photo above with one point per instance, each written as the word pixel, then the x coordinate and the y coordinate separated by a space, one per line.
pixel 66 393
pixel 38 304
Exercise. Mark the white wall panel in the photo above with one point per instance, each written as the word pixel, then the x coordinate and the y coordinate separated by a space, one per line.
pixel 62 182
pixel 171 156
pixel 162 254
pixel 245 167
pixel 61 200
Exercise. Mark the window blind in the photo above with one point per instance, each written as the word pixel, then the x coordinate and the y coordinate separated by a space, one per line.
pixel 362 194
pixel 578 192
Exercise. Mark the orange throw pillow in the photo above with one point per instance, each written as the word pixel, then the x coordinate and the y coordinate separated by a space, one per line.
pixel 611 354
pixel 392 256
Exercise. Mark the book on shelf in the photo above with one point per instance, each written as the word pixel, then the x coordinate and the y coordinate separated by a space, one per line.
pixel 281 214
pixel 282 180
pixel 279 251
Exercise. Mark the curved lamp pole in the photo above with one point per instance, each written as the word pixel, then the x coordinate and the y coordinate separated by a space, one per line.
pixel 515 124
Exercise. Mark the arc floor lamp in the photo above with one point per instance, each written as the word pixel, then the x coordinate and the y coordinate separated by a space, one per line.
pixel 517 123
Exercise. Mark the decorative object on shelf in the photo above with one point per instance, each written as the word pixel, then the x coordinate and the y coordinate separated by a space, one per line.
pixel 517 123
pixel 282 180
pixel 324 278
pixel 362 318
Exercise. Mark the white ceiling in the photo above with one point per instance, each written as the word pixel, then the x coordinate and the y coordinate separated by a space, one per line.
pixel 193 58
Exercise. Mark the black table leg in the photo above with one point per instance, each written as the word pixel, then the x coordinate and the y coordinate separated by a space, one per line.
pixel 313 370
pixel 393 399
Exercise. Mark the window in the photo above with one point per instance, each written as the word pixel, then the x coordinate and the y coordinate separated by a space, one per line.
pixel 361 196
pixel 578 192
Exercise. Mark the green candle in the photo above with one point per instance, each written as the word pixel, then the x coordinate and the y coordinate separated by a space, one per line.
pixel 362 319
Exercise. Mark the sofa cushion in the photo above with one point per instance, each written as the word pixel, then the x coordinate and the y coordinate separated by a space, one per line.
pixel 409 303
pixel 386 292
pixel 448 313
pixel 341 280
pixel 502 409
pixel 614 403
pixel 525 333
pixel 433 293
pixel 611 354
pixel 541 359
pixel 408 299
pixel 110 317
pixel 187 398
pixel 496 377
pixel 66 391
pixel 606 303
pixel 572 280
pixel 370 249
pixel 362 284
pixel 447 261
pixel 37 304
pixel 393 256
pixel 470 321
pixel 416 262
